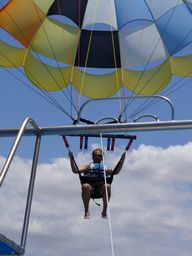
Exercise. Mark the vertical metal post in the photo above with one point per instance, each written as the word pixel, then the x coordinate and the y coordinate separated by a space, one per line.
pixel 30 192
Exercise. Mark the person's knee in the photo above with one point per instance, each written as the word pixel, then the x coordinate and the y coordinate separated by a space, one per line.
pixel 86 187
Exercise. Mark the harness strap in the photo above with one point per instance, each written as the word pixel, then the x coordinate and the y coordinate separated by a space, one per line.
pixel 68 148
pixel 108 143
pixel 96 202
pixel 113 144
pixel 65 142
pixel 129 144
pixel 86 143
pixel 81 142
pixel 83 120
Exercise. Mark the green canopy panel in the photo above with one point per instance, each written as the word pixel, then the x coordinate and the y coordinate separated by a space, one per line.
pixel 8 247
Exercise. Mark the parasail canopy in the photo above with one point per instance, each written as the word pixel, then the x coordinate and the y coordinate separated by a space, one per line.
pixel 98 46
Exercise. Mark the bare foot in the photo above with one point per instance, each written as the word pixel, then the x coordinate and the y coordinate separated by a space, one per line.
pixel 87 215
pixel 104 215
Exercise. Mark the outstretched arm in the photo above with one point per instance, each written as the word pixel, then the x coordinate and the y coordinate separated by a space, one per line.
pixel 119 165
pixel 74 166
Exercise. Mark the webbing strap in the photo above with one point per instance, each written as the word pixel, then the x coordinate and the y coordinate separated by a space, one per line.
pixel 65 141
pixel 129 144
pixel 86 143
pixel 83 142
pixel 108 143
pixel 113 144
pixel 68 147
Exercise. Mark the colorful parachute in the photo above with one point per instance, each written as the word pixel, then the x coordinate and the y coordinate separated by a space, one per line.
pixel 98 46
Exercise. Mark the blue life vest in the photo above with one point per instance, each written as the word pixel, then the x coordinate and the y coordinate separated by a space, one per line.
pixel 95 170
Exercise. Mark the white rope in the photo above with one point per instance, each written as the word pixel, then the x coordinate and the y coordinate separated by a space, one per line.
pixel 108 208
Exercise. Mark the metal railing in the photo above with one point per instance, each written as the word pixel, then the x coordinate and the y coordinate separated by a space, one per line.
pixel 37 133
pixel 16 144
pixel 158 97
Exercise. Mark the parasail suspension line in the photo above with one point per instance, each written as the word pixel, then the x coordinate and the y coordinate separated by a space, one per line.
pixel 129 102
pixel 45 95
pixel 108 208
pixel 52 50
pixel 88 51
pixel 51 98
pixel 115 62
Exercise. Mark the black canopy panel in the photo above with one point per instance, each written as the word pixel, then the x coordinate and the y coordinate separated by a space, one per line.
pixel 72 9
pixel 99 48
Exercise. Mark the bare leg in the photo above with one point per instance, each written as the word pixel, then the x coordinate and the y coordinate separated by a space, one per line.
pixel 103 191
pixel 86 194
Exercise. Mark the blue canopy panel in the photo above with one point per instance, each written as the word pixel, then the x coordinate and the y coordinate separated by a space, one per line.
pixel 8 247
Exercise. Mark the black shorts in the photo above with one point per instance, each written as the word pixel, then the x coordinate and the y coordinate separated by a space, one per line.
pixel 95 180
pixel 96 191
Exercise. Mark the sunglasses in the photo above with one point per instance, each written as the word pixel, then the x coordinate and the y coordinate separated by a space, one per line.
pixel 97 155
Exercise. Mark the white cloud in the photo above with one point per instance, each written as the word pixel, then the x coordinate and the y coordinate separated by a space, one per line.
pixel 151 206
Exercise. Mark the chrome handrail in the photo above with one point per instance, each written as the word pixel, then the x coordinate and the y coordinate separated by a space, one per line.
pixel 146 116
pixel 37 131
pixel 127 97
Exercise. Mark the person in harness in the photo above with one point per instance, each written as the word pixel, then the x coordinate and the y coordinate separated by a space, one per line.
pixel 92 179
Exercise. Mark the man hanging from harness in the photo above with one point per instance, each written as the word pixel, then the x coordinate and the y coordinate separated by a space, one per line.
pixel 93 183
pixel 95 178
